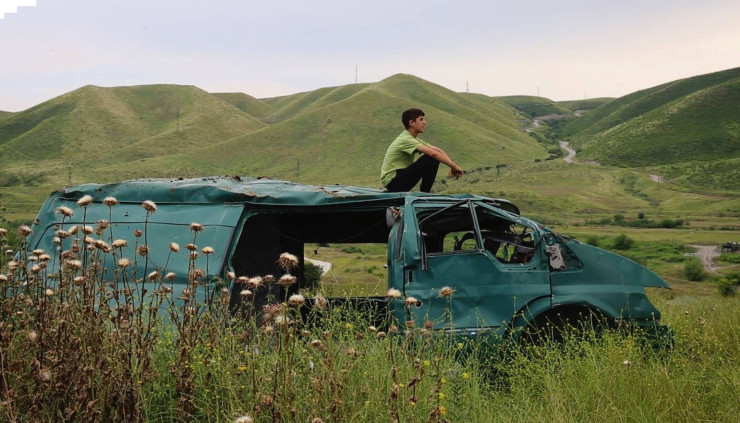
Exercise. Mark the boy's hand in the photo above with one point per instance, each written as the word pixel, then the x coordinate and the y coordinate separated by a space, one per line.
pixel 456 172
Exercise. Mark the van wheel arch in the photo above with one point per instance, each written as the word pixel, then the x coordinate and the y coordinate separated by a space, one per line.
pixel 561 323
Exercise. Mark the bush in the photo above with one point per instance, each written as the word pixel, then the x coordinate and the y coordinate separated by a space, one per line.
pixel 312 275
pixel 623 242
pixel 726 287
pixel 593 240
pixel 694 269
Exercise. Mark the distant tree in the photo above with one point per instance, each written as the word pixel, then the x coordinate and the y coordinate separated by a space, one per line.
pixel 693 269
pixel 312 274
pixel 623 242
pixel 641 215
pixel 618 219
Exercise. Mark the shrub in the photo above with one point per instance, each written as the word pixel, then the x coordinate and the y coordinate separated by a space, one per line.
pixel 593 240
pixel 726 287
pixel 312 275
pixel 694 269
pixel 623 242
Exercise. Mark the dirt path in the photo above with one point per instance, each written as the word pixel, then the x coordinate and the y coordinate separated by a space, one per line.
pixel 571 152
pixel 707 254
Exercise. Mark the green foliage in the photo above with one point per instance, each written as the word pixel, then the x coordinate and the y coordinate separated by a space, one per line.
pixel 694 119
pixel 312 275
pixel 694 269
pixel 726 287
pixel 729 258
pixel 623 242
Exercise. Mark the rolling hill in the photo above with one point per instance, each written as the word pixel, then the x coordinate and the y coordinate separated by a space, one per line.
pixel 686 120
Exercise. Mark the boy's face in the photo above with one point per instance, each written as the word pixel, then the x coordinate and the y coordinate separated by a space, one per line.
pixel 419 124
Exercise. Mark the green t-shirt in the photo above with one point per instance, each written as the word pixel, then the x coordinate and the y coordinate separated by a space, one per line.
pixel 400 155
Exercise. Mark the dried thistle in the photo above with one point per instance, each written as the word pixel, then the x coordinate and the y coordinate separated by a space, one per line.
pixel 174 247
pixel 110 201
pixel 85 201
pixel 207 250
pixel 65 211
pixel 393 293
pixel 296 300
pixel 288 261
pixel 287 280
pixel 149 206
pixel 196 227
pixel 446 292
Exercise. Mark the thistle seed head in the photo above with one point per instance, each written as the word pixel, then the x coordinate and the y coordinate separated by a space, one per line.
pixel 207 250
pixel 85 201
pixel 149 206
pixel 296 300
pixel 196 227
pixel 446 292
pixel 393 293
pixel 174 247
pixel 288 261
pixel 65 211
pixel 287 280
pixel 110 201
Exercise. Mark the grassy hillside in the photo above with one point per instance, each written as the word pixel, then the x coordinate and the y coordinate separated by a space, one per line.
pixel 585 104
pixel 344 142
pixel 247 104
pixel 532 106
pixel 689 119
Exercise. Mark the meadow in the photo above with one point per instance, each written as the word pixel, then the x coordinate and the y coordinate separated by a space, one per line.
pixel 76 346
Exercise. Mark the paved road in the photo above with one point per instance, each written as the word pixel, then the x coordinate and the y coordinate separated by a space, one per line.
pixel 571 152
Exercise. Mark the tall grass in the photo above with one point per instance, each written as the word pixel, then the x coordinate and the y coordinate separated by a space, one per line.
pixel 88 349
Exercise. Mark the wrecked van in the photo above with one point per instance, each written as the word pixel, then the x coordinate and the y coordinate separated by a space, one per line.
pixel 509 273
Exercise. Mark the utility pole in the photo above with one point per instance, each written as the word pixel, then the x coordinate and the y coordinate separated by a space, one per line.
pixel 178 119
pixel 467 87
pixel 355 74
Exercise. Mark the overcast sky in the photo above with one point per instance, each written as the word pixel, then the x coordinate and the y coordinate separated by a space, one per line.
pixel 562 50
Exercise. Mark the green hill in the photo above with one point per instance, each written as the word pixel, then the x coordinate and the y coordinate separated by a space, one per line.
pixel 532 106
pixel 690 119
pixel 344 141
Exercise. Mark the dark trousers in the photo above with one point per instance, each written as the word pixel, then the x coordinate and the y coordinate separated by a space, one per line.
pixel 424 170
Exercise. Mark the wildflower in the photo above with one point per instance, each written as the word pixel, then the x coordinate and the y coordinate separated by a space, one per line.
pixel 269 279
pixel 110 201
pixel 409 301
pixel 120 243
pixel 465 375
pixel 196 227
pixel 85 201
pixel 320 302
pixel 73 264
pixel 49 292
pixel 62 234
pixel 287 280
pixel 149 206
pixel 317 420
pixel 170 276
pixel 138 233
pixel 103 224
pixel 317 343
pixel 65 211
pixel 410 324
pixel 428 324
pixel 281 320
pixel 231 275
pixel 87 230
pixel 225 291
pixel 3 278
pixel 446 292
pixel 380 335
pixel 143 250
pixel 199 273
pixel 37 252
pixel 442 410
pixel 79 280
pixel 626 363
pixel 207 250
pixel 193 255
pixel 288 261
pixel 393 293
pixel 245 418
pixel 44 257
pixel 245 293
pixel 153 276
pixel 254 282
pixel 372 329
pixel 686 312
pixel 102 245
pixel 267 401
pixel 702 321
pixel 296 300
pixel 3 232
pixel 393 329
pixel 35 268
pixel 351 352
pixel 32 336
pixel 24 231
pixel 45 375
pixel 124 262
pixel 242 280
pixel 74 229
pixel 191 246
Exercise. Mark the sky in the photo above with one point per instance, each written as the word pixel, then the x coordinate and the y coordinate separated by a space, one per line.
pixel 562 50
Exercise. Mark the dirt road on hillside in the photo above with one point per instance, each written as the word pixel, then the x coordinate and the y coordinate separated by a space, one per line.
pixel 707 254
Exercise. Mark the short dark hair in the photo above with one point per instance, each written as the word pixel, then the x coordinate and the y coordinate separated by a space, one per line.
pixel 410 114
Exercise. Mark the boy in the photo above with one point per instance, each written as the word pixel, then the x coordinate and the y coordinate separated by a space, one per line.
pixel 400 172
